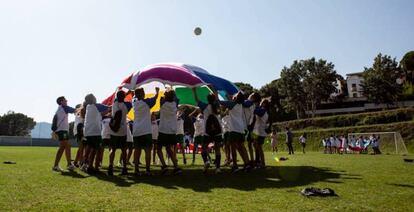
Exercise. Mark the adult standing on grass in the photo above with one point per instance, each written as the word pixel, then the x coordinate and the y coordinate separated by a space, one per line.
pixel 289 140
pixel 142 130
pixel 302 141
pixel 93 130
pixel 61 128
pixel 119 127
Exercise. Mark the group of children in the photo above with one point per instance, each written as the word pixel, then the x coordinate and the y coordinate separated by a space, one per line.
pixel 340 144
pixel 221 123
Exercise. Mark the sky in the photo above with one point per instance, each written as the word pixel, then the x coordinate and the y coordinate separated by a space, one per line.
pixel 50 48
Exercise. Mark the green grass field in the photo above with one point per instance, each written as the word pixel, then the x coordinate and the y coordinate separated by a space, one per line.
pixel 363 183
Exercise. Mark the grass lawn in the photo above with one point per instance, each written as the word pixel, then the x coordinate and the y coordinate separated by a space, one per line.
pixel 363 183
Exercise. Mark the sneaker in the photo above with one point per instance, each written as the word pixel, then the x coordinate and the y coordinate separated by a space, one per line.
pixel 84 167
pixel 218 171
pixel 110 171
pixel 71 167
pixel 148 173
pixel 76 164
pixel 164 170
pixel 57 169
pixel 177 171
pixel 247 168
pixel 206 166
pixel 234 169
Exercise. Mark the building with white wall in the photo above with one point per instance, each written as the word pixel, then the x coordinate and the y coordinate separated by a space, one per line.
pixel 353 82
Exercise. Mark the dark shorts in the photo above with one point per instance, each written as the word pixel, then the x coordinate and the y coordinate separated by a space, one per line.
pixel 258 139
pixel 198 140
pixel 303 145
pixel 106 142
pixel 236 137
pixel 143 141
pixel 167 139
pixel 79 138
pixel 94 141
pixel 118 142
pixel 213 139
pixel 180 139
pixel 226 137
pixel 63 135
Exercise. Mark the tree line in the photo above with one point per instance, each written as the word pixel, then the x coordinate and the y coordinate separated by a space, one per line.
pixel 305 84
pixel 16 124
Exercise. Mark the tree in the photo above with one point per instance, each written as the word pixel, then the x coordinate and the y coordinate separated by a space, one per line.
pixel 292 89
pixel 379 83
pixel 16 124
pixel 277 111
pixel 245 87
pixel 407 65
pixel 319 81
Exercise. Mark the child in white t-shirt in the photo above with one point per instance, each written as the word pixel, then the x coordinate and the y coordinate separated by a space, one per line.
pixel 168 129
pixel 154 127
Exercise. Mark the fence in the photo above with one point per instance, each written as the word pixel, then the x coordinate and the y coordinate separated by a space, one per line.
pixel 29 141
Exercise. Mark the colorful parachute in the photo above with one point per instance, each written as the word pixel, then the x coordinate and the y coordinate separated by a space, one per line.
pixel 181 77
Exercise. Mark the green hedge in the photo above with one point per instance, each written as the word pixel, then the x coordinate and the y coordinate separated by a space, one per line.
pixel 361 119
pixel 406 129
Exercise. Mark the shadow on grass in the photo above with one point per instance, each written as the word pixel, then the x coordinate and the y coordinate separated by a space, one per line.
pixel 401 185
pixel 73 174
pixel 271 177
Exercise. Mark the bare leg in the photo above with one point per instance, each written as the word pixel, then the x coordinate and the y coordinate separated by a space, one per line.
pixel 111 157
pixel 60 151
pixel 234 148
pixel 250 147
pixel 79 153
pixel 148 158
pixel 160 155
pixel 137 155
pixel 170 152
pixel 67 153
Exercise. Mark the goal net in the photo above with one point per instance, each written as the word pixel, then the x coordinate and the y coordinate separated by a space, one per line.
pixel 388 142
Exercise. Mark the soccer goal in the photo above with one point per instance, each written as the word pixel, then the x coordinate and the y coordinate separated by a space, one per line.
pixel 389 142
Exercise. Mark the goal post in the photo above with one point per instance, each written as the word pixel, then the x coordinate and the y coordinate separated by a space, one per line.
pixel 389 142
